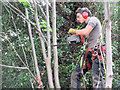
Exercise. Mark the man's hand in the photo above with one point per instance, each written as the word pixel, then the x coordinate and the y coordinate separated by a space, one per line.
pixel 71 31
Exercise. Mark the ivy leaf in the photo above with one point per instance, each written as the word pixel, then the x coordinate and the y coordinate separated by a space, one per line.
pixel 21 1
pixel 35 24
pixel 51 30
pixel 45 29
pixel 25 4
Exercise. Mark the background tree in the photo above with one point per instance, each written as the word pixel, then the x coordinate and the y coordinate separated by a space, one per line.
pixel 109 70
pixel 54 35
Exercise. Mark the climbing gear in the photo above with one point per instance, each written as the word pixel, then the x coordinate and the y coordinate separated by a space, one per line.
pixel 91 59
pixel 92 54
pixel 83 56
pixel 82 59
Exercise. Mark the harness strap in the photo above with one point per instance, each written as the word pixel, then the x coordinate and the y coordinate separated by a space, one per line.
pixel 94 55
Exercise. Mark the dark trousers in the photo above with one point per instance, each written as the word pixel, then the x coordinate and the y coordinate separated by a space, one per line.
pixel 98 72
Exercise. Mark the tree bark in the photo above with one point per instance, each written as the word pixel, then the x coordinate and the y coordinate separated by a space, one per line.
pixel 56 76
pixel 109 70
pixel 1 45
pixel 50 78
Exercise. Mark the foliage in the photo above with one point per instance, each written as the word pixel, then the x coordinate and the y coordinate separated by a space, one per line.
pixel 115 46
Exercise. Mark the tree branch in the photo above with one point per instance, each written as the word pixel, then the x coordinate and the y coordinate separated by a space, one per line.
pixel 19 39
pixel 33 47
pixel 13 67
pixel 21 46
pixel 43 13
pixel 113 8
pixel 41 9
pixel 27 20
pixel 5 36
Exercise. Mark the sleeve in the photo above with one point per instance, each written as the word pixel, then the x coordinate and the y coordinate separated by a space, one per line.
pixel 92 22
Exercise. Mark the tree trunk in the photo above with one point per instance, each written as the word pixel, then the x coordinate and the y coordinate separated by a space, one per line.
pixel 33 47
pixel 109 71
pixel 41 39
pixel 56 76
pixel 1 45
pixel 47 59
pixel 49 70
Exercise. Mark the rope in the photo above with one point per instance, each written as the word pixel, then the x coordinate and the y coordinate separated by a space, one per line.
pixel 82 61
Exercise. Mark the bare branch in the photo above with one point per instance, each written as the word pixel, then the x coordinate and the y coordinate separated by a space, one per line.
pixel 27 20
pixel 41 9
pixel 43 2
pixel 32 60
pixel 19 39
pixel 113 8
pixel 13 67
pixel 43 13
pixel 5 36
pixel 32 84
pixel 47 2
pixel 21 46
pixel 33 47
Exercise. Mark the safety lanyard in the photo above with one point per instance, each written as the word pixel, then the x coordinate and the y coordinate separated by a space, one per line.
pixel 82 61
pixel 83 56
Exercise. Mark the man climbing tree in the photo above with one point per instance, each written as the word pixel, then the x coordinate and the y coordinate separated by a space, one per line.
pixel 92 58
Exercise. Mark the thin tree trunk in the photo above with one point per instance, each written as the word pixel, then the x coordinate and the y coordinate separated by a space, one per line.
pixel 56 76
pixel 47 59
pixel 33 47
pixel 109 71
pixel 41 39
pixel 50 78
pixel 0 45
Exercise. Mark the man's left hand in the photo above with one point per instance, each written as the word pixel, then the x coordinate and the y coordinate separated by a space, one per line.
pixel 71 31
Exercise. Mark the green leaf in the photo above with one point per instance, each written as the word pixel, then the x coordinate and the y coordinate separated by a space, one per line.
pixel 21 1
pixel 42 26
pixel 25 4
pixel 35 24
pixel 21 84
pixel 44 22
pixel 45 29
pixel 51 30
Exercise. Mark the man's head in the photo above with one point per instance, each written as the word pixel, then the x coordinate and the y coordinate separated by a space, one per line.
pixel 82 14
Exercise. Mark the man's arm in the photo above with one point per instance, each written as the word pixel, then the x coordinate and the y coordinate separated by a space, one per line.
pixel 84 31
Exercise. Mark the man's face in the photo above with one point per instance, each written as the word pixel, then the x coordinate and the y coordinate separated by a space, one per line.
pixel 80 18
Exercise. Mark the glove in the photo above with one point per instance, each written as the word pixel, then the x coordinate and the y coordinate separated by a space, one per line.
pixel 71 31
